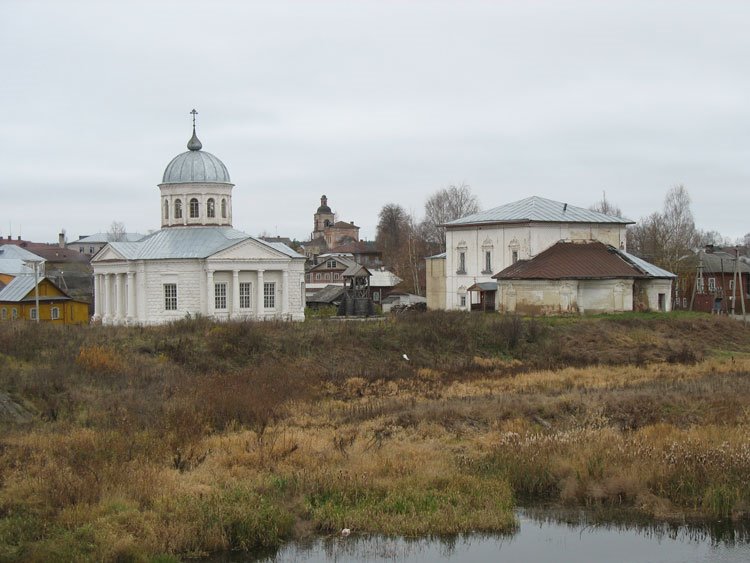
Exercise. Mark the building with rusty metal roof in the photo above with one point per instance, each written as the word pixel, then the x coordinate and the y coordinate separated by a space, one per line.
pixel 586 276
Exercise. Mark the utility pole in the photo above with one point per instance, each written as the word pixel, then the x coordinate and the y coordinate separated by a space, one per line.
pixel 698 278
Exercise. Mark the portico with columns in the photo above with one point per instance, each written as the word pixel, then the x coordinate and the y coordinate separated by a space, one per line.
pixel 197 264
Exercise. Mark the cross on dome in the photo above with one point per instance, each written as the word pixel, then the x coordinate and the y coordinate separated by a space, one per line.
pixel 194 144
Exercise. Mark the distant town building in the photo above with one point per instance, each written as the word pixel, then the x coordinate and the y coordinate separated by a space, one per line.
pixel 328 232
pixel 89 245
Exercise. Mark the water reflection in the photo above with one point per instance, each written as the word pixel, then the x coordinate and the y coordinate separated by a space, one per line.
pixel 544 534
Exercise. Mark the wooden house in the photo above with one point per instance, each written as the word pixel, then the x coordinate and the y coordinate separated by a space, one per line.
pixel 18 302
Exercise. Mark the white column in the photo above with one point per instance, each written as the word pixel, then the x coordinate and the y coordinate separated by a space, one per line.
pixel 235 293
pixel 131 297
pixel 210 291
pixel 285 293
pixel 261 308
pixel 119 299
pixel 97 297
pixel 107 298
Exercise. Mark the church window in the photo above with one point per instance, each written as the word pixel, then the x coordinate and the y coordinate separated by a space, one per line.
pixel 170 296
pixel 178 209
pixel 220 295
pixel 461 262
pixel 55 313
pixel 462 299
pixel 269 295
pixel 224 208
pixel 194 210
pixel 166 209
pixel 515 256
pixel 326 223
pixel 210 208
pixel 246 292
pixel 487 262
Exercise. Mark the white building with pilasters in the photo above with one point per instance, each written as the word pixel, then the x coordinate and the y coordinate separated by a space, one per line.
pixel 197 264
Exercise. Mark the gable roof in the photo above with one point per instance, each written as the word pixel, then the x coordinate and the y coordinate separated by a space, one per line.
pixel 537 209
pixel 19 287
pixel 328 294
pixel 345 261
pixel 188 242
pixel 575 260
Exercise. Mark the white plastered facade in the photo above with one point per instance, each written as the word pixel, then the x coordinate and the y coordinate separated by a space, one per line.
pixel 197 264
pixel 501 241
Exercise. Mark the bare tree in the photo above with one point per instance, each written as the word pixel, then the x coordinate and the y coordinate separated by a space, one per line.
pixel 447 205
pixel 607 207
pixel 401 241
pixel 116 232
pixel 663 238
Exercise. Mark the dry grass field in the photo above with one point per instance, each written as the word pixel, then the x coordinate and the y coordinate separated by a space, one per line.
pixel 155 444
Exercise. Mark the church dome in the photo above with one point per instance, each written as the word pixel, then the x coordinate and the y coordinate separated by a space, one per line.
pixel 195 165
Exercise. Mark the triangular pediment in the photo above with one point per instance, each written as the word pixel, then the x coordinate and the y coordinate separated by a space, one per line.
pixel 107 254
pixel 249 249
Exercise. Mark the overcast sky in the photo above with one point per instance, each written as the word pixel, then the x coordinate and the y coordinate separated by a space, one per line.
pixel 371 102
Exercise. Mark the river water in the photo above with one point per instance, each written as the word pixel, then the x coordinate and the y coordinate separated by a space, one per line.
pixel 542 535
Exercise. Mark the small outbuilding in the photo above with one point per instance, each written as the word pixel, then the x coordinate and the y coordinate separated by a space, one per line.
pixel 578 277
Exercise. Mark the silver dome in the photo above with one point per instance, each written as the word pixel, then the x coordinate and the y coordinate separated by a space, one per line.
pixel 196 166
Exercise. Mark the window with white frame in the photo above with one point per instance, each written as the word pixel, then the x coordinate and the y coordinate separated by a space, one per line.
pixel 461 262
pixel 3 313
pixel 462 300
pixel 711 284
pixel 55 313
pixel 246 295
pixel 487 262
pixel 33 313
pixel 331 264
pixel 14 313
pixel 170 296
pixel 220 295
pixel 269 295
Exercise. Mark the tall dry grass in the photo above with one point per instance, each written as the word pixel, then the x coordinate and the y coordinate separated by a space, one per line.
pixel 199 437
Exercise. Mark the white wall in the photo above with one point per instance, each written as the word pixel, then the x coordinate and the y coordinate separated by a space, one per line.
pixel 529 239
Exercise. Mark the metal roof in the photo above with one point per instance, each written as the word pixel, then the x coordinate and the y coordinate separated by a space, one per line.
pixel 102 238
pixel 196 166
pixel 537 209
pixel 647 267
pixel 384 278
pixel 572 260
pixel 13 251
pixel 483 286
pixel 18 288
pixel 14 267
pixel 190 242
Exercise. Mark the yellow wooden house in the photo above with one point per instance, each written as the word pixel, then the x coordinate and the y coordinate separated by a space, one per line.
pixel 18 302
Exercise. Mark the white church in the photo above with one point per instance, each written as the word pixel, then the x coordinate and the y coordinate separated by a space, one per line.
pixel 197 264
